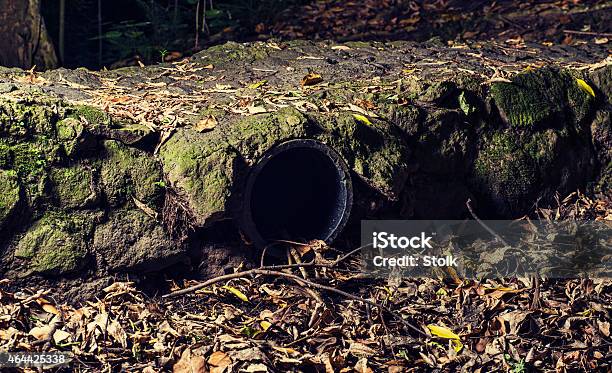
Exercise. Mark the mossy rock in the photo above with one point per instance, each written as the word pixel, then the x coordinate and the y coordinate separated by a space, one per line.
pixel 10 194
pixel 540 96
pixel 373 150
pixel 201 170
pixel 127 172
pixel 234 52
pixel 508 175
pixel 132 241
pixel 73 187
pixel 6 157
pixel 253 136
pixel 75 140
pixel 56 244
pixel 91 115
pixel 22 119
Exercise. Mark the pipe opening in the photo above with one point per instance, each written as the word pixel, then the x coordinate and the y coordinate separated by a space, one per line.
pixel 300 190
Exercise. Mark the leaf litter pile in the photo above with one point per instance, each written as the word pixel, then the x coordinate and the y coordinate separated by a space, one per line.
pixel 317 313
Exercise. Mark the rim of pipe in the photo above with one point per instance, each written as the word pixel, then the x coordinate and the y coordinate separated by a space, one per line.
pixel 344 195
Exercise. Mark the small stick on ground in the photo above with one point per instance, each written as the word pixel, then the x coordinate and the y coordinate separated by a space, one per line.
pixel 468 203
pixel 274 271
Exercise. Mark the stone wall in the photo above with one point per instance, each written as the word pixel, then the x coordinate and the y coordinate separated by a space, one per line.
pixel 106 171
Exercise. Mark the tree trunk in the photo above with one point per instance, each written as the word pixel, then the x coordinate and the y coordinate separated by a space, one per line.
pixel 24 40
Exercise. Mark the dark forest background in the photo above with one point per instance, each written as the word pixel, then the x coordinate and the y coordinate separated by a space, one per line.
pixel 108 33
pixel 114 33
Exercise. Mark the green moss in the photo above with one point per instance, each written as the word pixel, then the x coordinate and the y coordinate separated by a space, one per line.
pixel 234 52
pixel 92 115
pixel 6 157
pixel 358 44
pixel 22 119
pixel 201 168
pixel 373 151
pixel 254 135
pixel 541 95
pixel 72 186
pixel 56 244
pixel 129 172
pixel 10 194
pixel 506 170
pixel 437 91
pixel 30 162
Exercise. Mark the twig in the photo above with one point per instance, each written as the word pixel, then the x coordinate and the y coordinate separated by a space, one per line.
pixel 589 33
pixel 267 272
pixel 232 276
pixel 273 271
pixel 468 203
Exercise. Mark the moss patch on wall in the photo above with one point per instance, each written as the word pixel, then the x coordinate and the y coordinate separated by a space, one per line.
pixel 10 194
pixel 540 95
pixel 127 172
pixel 56 244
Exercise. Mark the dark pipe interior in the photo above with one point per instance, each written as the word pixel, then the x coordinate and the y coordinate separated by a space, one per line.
pixel 299 191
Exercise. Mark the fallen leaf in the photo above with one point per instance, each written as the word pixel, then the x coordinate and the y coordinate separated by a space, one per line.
pixel 265 325
pixel 190 363
pixel 60 336
pixel 256 109
pixel 219 360
pixel 47 306
pixel 257 84
pixel 442 332
pixel 237 293
pixel 206 124
pixel 311 79
pixel 40 332
pixel 362 366
pixel 362 119
pixel 585 87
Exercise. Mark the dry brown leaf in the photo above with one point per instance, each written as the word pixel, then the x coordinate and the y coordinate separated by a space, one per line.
pixel 60 336
pixel 190 363
pixel 362 366
pixel 206 124
pixel 40 332
pixel 47 306
pixel 311 79
pixel 219 361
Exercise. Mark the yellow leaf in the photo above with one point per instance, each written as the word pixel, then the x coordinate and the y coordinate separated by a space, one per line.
pixel 258 84
pixel 585 87
pixel 265 325
pixel 442 332
pixel 362 118
pixel 237 293
pixel 457 345
pixel 311 79
pixel 206 124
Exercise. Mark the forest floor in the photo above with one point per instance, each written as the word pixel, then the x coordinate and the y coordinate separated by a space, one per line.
pixel 566 22
pixel 327 318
